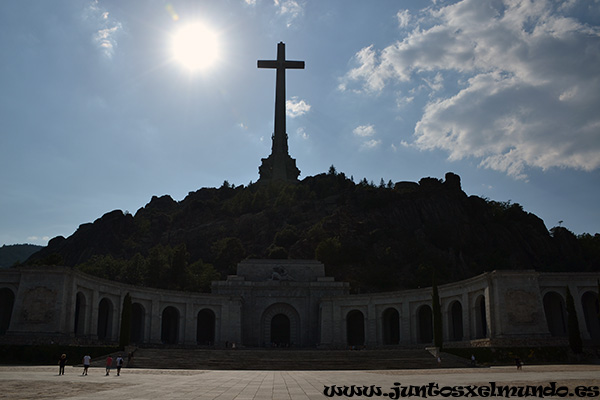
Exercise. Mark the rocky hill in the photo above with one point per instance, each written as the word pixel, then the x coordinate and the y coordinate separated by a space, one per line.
pixel 16 253
pixel 378 238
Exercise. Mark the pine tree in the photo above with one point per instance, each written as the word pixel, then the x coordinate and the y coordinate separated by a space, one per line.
pixel 575 341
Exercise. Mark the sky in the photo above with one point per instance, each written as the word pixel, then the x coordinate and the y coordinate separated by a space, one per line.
pixel 98 111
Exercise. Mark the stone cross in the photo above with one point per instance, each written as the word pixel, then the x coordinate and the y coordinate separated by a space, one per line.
pixel 281 64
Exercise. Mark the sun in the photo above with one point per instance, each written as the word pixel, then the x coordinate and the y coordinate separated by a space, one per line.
pixel 195 46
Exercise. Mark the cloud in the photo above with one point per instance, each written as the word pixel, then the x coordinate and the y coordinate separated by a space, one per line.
pixel 105 39
pixel 370 144
pixel 403 18
pixel 290 9
pixel 250 2
pixel 302 133
pixel 295 108
pixel 528 83
pixel 105 36
pixel 364 130
pixel 43 239
pixel 368 72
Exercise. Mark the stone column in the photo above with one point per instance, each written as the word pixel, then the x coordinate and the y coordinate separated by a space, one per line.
pixel 492 318
pixel 155 319
pixel 94 314
pixel 405 323
pixel 466 316
pixel 326 323
pixel 189 335
pixel 371 325
pixel 585 335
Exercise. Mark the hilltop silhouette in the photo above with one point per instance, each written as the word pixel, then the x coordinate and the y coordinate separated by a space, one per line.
pixel 377 237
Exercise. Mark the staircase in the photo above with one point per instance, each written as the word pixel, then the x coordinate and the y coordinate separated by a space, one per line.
pixel 289 359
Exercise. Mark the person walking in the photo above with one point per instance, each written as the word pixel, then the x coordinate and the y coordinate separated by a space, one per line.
pixel 119 365
pixel 109 361
pixel 86 364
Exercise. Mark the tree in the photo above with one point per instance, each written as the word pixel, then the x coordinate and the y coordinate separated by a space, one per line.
pixel 179 267
pixel 575 341
pixel 125 334
pixel 437 315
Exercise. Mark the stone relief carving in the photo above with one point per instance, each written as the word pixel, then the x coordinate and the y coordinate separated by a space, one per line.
pixel 38 305
pixel 522 307
pixel 280 274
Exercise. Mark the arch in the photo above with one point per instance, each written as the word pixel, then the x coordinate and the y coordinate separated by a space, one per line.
pixel 169 333
pixel 425 324
pixel 355 328
pixel 105 318
pixel 455 321
pixel 280 330
pixel 556 313
pixel 391 326
pixel 79 323
pixel 7 302
pixel 138 323
pixel 591 313
pixel 481 330
pixel 205 327
pixel 271 325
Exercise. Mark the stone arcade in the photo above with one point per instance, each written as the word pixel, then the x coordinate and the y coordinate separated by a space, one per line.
pixel 292 303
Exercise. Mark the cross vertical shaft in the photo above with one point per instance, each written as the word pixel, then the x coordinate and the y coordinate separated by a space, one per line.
pixel 281 64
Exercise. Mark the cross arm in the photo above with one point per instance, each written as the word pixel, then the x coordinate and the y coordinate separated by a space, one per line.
pixel 294 64
pixel 267 64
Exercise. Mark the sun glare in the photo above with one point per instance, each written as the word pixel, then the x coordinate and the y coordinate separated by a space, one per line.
pixel 195 46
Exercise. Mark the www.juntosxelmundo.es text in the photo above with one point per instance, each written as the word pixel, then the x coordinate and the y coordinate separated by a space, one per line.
pixel 434 390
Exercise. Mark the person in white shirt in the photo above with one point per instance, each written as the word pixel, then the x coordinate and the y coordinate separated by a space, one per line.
pixel 86 364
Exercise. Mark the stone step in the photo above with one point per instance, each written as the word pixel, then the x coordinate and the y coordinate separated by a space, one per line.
pixel 287 359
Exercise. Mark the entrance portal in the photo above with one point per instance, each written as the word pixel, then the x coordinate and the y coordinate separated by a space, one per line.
pixel 280 331
pixel 281 326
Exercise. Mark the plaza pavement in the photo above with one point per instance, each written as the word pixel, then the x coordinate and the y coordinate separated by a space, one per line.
pixel 43 382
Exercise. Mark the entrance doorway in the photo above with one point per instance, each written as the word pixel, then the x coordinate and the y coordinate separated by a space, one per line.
pixel 280 326
pixel 280 331
pixel 355 328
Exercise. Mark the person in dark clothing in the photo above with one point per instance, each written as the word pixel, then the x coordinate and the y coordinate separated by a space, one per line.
pixel 61 364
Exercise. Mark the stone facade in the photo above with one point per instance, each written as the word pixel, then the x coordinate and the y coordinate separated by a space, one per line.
pixel 292 303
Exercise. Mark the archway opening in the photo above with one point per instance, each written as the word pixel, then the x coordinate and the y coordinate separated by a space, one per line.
pixel 170 326
pixel 105 317
pixel 425 324
pixel 556 314
pixel 276 329
pixel 391 326
pixel 355 328
pixel 138 317
pixel 7 301
pixel 480 318
pixel 205 328
pixel 591 313
pixel 280 331
pixel 78 326
pixel 456 321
